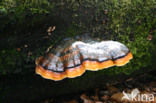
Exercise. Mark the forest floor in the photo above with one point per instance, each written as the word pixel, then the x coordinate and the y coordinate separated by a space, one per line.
pixel 141 89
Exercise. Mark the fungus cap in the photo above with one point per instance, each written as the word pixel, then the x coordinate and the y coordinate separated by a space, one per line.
pixel 72 58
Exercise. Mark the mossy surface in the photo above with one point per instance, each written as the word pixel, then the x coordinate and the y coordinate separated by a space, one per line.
pixel 25 23
pixel 24 37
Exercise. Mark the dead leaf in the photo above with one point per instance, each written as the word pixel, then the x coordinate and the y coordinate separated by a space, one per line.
pixel 149 37
pixel 129 79
pixel 95 98
pixel 105 11
pixel 98 102
pixel 18 49
pixel 105 97
pixel 86 99
pixel 112 89
pixel 118 97
pixel 51 29
pixel 154 89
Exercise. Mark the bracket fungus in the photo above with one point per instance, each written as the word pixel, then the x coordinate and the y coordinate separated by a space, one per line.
pixel 73 57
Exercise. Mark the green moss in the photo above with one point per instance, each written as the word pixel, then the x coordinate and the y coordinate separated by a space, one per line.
pixel 127 21
pixel 16 12
pixel 8 60
pixel 130 22
pixel 72 31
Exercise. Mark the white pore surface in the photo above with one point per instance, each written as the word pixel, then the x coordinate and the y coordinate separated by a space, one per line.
pixel 101 50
